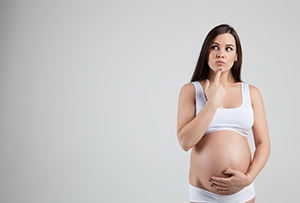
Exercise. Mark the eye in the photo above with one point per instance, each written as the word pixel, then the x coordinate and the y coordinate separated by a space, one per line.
pixel 213 47
pixel 229 48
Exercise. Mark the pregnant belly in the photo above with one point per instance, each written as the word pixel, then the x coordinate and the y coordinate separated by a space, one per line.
pixel 215 152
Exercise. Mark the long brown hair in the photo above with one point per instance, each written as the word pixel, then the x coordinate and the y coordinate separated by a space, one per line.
pixel 202 69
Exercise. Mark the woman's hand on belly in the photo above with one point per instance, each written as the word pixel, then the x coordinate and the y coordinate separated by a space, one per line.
pixel 218 151
pixel 232 184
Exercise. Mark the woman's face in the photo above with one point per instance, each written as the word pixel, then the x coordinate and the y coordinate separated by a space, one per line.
pixel 223 48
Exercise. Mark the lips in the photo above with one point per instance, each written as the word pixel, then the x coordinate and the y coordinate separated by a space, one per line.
pixel 220 62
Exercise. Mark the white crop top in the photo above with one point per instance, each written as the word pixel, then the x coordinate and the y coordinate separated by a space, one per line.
pixel 239 119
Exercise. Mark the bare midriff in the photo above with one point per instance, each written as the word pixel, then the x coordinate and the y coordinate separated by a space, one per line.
pixel 215 152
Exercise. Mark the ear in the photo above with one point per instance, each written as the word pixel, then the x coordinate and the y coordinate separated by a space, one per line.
pixel 236 57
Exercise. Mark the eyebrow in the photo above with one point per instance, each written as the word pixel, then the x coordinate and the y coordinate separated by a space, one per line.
pixel 226 44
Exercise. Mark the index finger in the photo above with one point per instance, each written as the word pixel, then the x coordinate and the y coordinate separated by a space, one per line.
pixel 217 77
pixel 219 179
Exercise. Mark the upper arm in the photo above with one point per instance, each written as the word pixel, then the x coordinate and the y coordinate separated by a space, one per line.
pixel 186 106
pixel 260 127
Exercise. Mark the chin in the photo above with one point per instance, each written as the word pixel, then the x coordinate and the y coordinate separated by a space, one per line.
pixel 223 68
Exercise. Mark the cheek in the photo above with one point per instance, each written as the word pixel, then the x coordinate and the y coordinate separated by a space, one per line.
pixel 232 57
pixel 210 57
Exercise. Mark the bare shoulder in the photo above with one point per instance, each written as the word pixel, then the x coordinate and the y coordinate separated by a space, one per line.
pixel 188 91
pixel 186 105
pixel 256 96
pixel 260 126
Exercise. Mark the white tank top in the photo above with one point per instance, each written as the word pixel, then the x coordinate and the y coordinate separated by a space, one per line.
pixel 239 119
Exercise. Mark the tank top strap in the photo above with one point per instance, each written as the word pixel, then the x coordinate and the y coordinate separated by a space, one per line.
pixel 200 98
pixel 197 90
pixel 246 93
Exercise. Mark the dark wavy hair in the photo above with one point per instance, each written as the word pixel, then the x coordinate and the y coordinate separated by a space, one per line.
pixel 202 69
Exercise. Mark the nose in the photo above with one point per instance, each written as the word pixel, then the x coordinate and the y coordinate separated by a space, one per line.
pixel 220 54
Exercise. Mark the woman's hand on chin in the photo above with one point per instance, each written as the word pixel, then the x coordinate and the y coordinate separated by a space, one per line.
pixel 232 184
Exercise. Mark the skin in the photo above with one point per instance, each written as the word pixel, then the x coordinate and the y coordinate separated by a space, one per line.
pixel 220 88
pixel 260 129
pixel 223 49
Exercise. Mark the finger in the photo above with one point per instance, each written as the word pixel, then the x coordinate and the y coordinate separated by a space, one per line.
pixel 220 187
pixel 223 190
pixel 219 184
pixel 206 87
pixel 230 171
pixel 220 180
pixel 217 77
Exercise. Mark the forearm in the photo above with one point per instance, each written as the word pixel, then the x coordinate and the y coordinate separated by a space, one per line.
pixel 261 155
pixel 192 132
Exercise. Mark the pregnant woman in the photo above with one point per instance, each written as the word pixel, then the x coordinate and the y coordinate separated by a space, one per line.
pixel 216 110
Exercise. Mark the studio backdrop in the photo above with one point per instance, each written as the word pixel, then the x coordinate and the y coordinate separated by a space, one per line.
pixel 89 95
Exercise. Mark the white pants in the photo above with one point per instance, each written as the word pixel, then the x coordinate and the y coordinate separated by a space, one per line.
pixel 201 195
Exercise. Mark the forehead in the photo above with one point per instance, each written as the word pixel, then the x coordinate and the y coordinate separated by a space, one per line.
pixel 224 39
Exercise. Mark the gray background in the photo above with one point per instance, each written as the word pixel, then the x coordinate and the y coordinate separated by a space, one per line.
pixel 89 94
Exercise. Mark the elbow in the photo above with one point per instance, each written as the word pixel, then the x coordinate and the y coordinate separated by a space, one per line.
pixel 269 151
pixel 268 146
pixel 184 143
pixel 185 147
